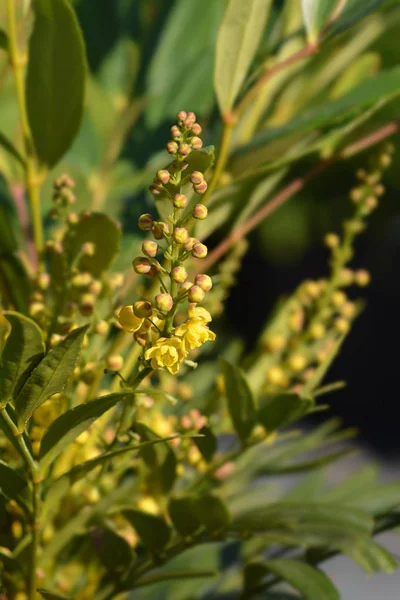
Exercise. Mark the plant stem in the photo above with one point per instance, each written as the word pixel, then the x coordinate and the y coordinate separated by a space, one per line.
pixel 32 177
pixel 33 468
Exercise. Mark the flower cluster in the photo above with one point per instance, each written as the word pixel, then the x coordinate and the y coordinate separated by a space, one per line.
pixel 152 323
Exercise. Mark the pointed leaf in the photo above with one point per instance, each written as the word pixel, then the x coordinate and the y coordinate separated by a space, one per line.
pixel 114 551
pixel 11 484
pixel 152 530
pixel 354 11
pixel 240 399
pixel 160 459
pixel 315 16
pixel 23 351
pixel 66 428
pixel 50 376
pixel 282 410
pixel 212 512
pixel 55 85
pixel 372 557
pixel 311 583
pixel 206 444
pixel 238 39
pixel 181 511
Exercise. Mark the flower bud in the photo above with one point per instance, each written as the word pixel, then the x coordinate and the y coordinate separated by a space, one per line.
pixel 116 280
pixel 196 129
pixel 196 294
pixel 331 240
pixel 154 271
pixel 55 246
pixel 196 143
pixel 163 176
pixel 276 376
pixel 88 249
pixel 164 302
pixel 141 265
pixel 43 281
pixel 155 188
pixel 276 342
pixel 346 276
pixel 385 160
pixel 317 331
pixel 179 274
pixel 371 203
pixel 175 132
pixel 145 222
pixel 181 235
pixel 362 278
pixel 201 188
pixel 185 287
pixel 172 147
pixel 190 120
pixel 150 248
pixel 115 362
pixel 342 325
pixel 143 309
pixel 81 280
pixel 190 243
pixel 73 218
pixel 338 298
pixel 159 229
pixel 356 194
pixel 102 327
pixel 184 149
pixel 199 250
pixel 95 287
pixel 86 304
pixel 180 201
pixel 297 362
pixel 196 177
pixel 55 339
pixel 182 115
pixel 204 282
pixel 200 212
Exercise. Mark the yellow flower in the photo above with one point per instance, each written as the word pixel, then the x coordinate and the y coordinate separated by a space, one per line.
pixel 128 320
pixel 195 332
pixel 166 353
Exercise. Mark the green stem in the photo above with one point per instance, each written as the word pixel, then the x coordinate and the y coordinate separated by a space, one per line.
pixel 32 176
pixel 33 468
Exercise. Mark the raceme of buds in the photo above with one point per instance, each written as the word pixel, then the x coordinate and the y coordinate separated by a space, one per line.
pixel 166 345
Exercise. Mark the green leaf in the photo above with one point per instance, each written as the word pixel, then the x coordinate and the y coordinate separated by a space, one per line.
pixel 354 11
pixel 282 410
pixel 315 16
pixel 372 557
pixel 10 148
pixel 160 460
pixel 3 40
pixel 181 70
pixel 94 228
pixel 119 69
pixel 114 552
pixel 240 399
pixel 322 369
pixel 168 574
pixel 238 39
pixel 11 484
pixel 206 444
pixel 48 595
pixel 311 583
pixel 152 530
pixel 23 351
pixel 378 500
pixel 15 286
pixel 182 513
pixel 67 427
pixel 212 513
pixel 55 85
pixel 50 376
pixel 386 85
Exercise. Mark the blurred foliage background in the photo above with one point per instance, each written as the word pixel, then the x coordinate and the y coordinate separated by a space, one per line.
pixel 150 58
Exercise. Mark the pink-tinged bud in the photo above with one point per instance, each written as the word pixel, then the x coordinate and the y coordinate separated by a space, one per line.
pixel 102 327
pixel 180 201
pixel 175 132
pixel 204 282
pixel 362 278
pixel 184 149
pixel 179 274
pixel 196 143
pixel 154 271
pixel 115 362
pixel 172 147
pixel 150 248
pixel 190 243
pixel 164 302
pixel 43 281
pixel 182 115
pixel 196 294
pixel 81 280
pixel 186 286
pixel 86 305
pixel 190 120
pixel 196 177
pixel 196 129
pixel 96 287
pixel 181 235
pixel 201 187
pixel 141 265
pixel 143 309
pixel 73 218
pixel 199 250
pixel 145 222
pixel 163 176
pixel 155 188
pixel 200 212
pixel 88 249
pixel 159 229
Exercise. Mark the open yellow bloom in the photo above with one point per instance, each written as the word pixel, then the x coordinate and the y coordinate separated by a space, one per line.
pixel 128 320
pixel 195 332
pixel 167 353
